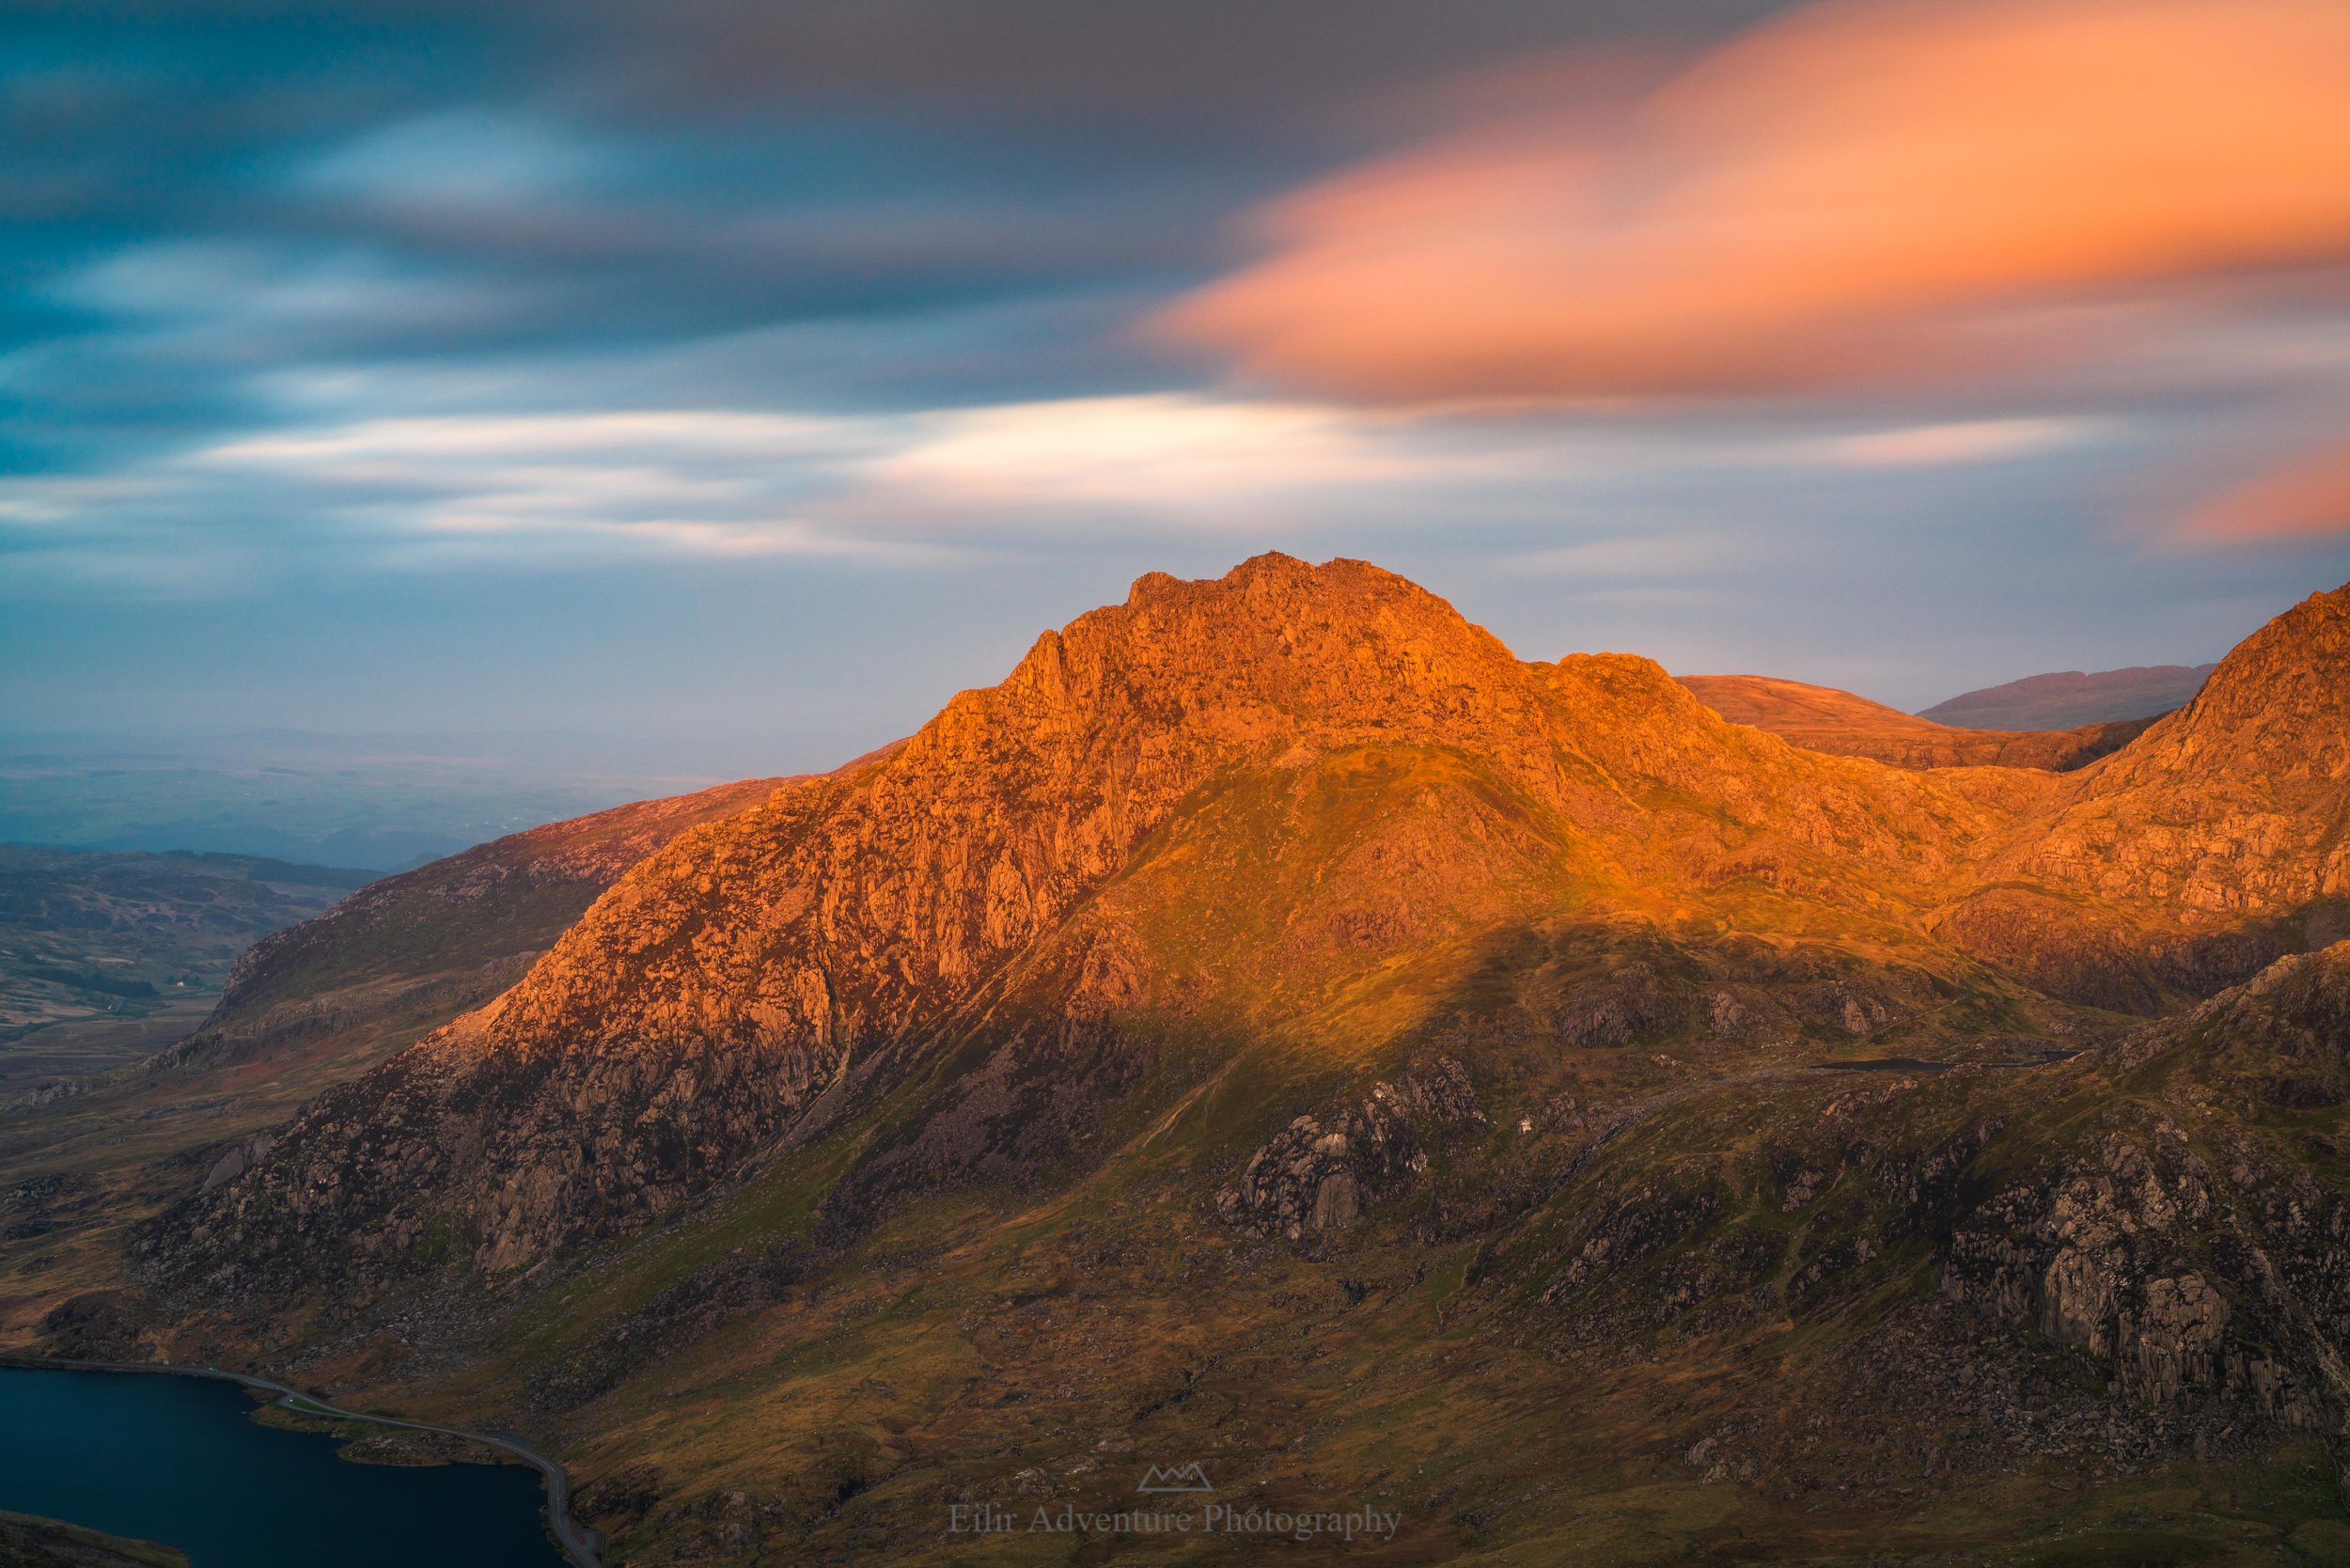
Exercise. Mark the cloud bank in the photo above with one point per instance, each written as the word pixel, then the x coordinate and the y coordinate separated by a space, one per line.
pixel 1904 193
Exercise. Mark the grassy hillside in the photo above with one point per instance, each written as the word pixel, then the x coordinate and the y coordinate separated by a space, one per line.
pixel 104 958
pixel 1277 1031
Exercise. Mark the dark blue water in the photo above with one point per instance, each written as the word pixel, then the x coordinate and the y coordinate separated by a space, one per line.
pixel 173 1459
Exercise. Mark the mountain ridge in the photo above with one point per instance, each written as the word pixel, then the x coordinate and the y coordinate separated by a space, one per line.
pixel 738 971
pixel 1274 968
pixel 721 984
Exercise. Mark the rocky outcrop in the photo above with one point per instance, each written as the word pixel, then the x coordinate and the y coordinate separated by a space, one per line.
pixel 240 1158
pixel 1324 1169
pixel 2192 1263
pixel 2232 806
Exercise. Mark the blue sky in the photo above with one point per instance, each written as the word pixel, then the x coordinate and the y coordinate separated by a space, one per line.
pixel 746 379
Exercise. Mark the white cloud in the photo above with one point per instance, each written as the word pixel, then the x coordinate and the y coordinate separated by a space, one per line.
pixel 1164 450
pixel 1943 444
pixel 1562 497
pixel 418 488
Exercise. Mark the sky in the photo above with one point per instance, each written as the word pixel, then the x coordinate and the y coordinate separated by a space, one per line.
pixel 737 381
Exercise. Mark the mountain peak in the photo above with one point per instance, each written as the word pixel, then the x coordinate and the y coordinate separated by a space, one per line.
pixel 2277 705
pixel 1274 650
pixel 2232 804
pixel 729 980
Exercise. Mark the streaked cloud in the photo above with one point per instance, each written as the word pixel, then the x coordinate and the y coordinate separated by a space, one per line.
pixel 428 490
pixel 1168 451
pixel 2307 498
pixel 1899 194
pixel 1937 446
pixel 425 490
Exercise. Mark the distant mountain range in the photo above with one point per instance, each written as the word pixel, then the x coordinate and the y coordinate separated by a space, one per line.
pixel 1825 719
pixel 2069 697
pixel 1280 1030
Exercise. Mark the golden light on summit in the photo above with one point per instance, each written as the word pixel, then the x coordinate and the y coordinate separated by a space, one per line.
pixel 1305 1060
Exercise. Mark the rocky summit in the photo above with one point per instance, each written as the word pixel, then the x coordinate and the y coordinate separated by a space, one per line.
pixel 1278 1029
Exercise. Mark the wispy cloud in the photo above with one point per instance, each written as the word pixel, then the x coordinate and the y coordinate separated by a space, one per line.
pixel 1166 452
pixel 1941 445
pixel 556 486
pixel 2305 498
pixel 1898 194
pixel 713 482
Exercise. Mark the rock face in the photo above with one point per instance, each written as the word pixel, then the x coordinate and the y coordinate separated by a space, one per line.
pixel 706 1001
pixel 2192 1265
pixel 1324 1169
pixel 2232 806
pixel 1288 923
pixel 1825 719
pixel 2070 698
pixel 441 930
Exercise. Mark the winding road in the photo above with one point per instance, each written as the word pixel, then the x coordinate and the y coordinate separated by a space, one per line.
pixel 579 1542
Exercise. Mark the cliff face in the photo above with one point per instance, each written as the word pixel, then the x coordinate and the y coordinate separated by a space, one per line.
pixel 2180 1242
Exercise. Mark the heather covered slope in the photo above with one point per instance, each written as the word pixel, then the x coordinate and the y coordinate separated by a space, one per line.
pixel 1825 719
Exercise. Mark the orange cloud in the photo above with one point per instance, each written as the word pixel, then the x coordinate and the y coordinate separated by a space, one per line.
pixel 1857 193
pixel 2309 497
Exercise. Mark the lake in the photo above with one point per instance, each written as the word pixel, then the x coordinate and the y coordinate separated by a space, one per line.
pixel 174 1460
